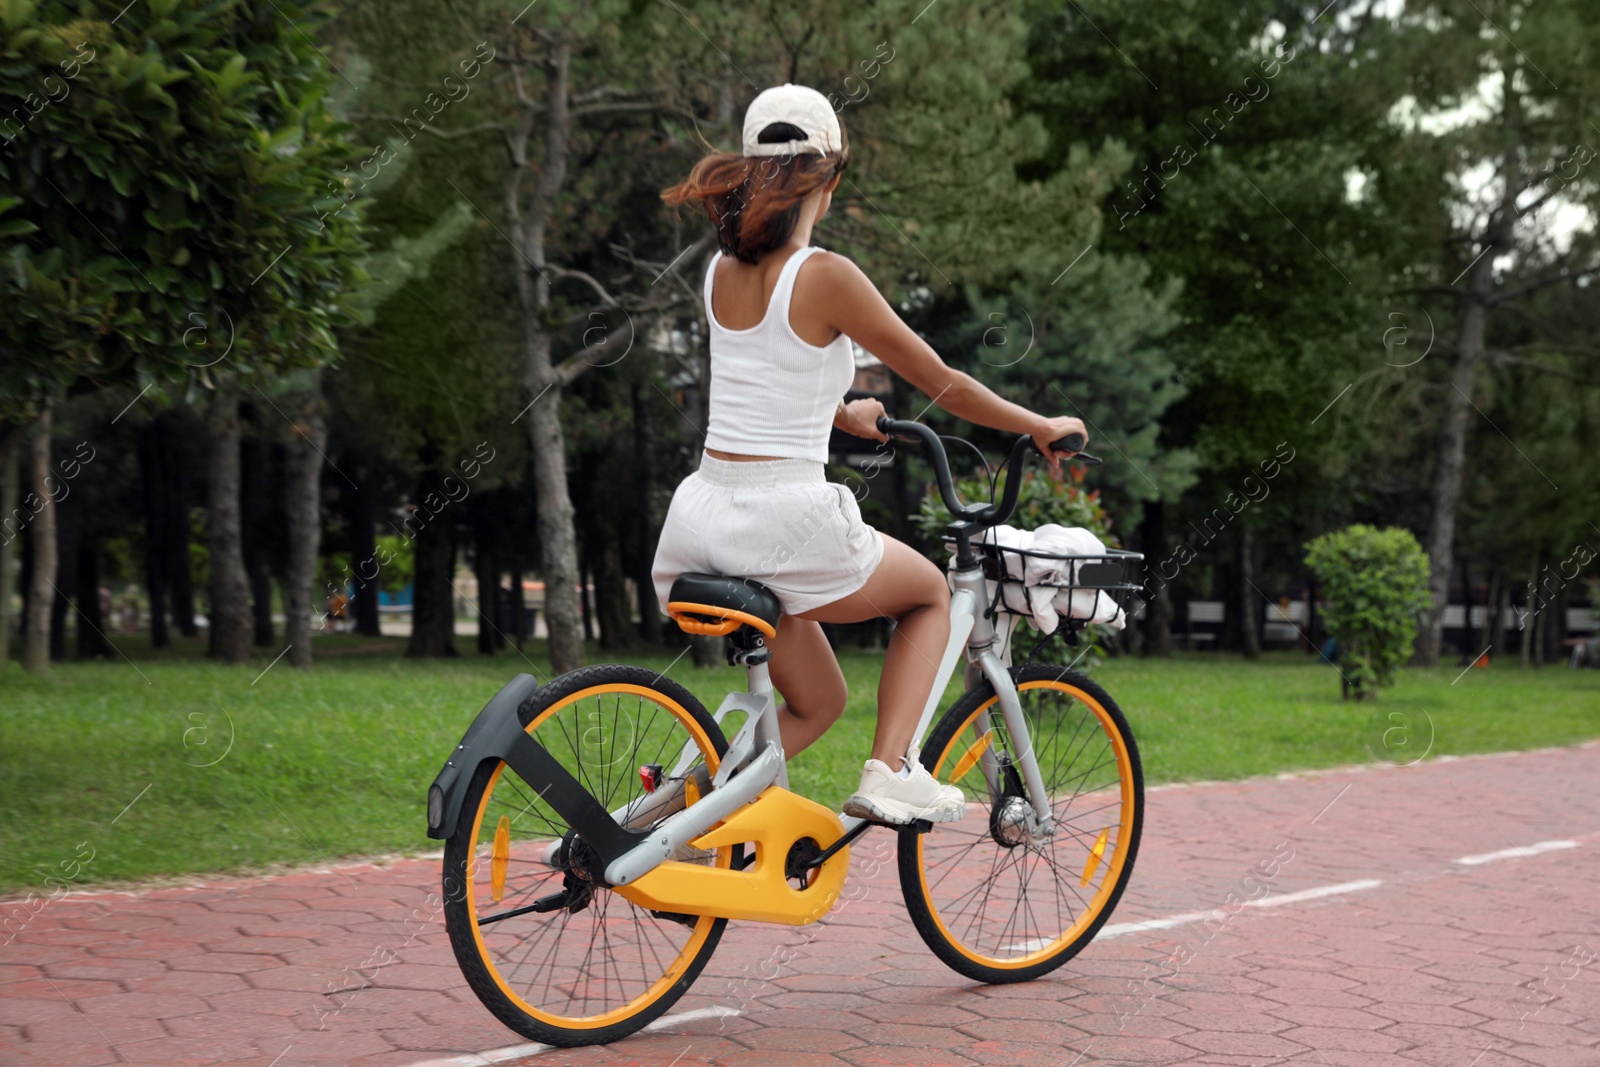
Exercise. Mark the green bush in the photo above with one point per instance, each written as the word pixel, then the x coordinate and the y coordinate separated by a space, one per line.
pixel 1374 587
pixel 1041 499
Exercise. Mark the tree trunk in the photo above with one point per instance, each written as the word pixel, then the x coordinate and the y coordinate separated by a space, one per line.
pixel 179 567
pixel 1448 472
pixel 1449 466
pixel 708 651
pixel 1473 638
pixel 69 524
pixel 1555 630
pixel 1526 617
pixel 433 617
pixel 611 598
pixel 25 551
pixel 153 484
pixel 488 575
pixel 519 608
pixel 1541 621
pixel 253 492
pixel 229 610
pixel 1502 610
pixel 1158 610
pixel 645 596
pixel 42 537
pixel 91 625
pixel 1250 601
pixel 1485 637
pixel 302 490
pixel 9 529
pixel 647 529
pixel 360 513
pixel 586 594
pixel 558 550
pixel 1312 620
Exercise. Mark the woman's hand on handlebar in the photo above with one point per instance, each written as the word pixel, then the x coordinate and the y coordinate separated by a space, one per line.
pixel 861 419
pixel 1054 430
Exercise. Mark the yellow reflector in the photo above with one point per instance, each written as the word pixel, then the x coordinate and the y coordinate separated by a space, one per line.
pixel 691 792
pixel 971 756
pixel 1094 856
pixel 502 854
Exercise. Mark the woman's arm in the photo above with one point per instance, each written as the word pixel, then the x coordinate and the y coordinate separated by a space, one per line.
pixel 854 306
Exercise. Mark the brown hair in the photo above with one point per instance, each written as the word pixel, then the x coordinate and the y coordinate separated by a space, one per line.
pixel 754 201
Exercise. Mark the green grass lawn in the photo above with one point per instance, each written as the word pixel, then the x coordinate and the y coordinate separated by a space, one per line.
pixel 336 762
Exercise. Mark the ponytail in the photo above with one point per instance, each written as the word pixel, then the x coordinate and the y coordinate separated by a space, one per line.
pixel 754 201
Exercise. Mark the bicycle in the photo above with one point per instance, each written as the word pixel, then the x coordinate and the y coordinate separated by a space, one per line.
pixel 585 891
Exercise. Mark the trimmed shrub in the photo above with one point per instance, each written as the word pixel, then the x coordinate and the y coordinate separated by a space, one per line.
pixel 1374 588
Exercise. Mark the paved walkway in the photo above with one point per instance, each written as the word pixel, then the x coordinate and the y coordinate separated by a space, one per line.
pixel 1400 930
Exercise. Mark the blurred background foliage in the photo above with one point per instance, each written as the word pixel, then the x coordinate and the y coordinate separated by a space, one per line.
pixel 365 242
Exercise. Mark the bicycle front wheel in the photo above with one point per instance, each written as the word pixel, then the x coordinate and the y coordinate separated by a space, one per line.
pixel 555 956
pixel 993 900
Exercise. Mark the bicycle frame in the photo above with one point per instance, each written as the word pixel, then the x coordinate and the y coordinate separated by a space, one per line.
pixel 756 752
pixel 753 763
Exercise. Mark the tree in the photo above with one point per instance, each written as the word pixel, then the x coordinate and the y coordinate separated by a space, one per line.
pixel 568 49
pixel 1245 126
pixel 196 143
pixel 1514 83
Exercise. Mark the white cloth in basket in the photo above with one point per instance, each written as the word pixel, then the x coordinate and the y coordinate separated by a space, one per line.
pixel 1040 603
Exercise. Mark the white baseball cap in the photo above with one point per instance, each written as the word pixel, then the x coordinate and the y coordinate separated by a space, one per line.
pixel 799 106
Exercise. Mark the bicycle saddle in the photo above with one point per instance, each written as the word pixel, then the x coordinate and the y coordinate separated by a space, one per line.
pixel 720 604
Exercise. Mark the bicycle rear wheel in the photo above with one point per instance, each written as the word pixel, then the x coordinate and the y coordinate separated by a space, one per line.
pixel 555 956
pixel 989 900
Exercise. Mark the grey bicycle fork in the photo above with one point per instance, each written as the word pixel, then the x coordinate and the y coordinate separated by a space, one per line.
pixel 982 660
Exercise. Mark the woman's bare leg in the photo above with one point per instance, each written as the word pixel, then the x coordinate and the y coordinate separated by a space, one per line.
pixel 913 591
pixel 805 671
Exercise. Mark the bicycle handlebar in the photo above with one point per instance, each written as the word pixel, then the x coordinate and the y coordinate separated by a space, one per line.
pixel 981 514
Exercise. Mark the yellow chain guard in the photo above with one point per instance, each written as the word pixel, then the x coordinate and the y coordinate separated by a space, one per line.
pixel 773 822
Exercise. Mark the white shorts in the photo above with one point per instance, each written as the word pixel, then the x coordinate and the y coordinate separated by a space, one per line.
pixel 778 522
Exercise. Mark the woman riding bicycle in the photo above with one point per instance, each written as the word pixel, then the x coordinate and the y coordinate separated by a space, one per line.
pixel 782 314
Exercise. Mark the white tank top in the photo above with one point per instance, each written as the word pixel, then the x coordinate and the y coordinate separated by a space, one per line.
pixel 773 394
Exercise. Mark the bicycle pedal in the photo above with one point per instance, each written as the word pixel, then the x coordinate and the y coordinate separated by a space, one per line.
pixel 691 921
pixel 920 826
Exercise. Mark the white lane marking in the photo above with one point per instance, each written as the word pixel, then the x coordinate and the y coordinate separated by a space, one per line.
pixel 1314 894
pixel 1185 918
pixel 516 1052
pixel 716 1011
pixel 497 1055
pixel 1516 853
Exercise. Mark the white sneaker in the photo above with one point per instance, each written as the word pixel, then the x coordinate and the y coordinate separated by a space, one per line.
pixel 886 797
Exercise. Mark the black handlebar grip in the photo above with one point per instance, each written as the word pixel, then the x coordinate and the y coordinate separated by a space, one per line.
pixel 1073 442
pixel 1070 443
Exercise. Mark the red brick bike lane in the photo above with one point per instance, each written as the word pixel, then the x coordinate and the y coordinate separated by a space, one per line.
pixel 1445 913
